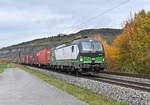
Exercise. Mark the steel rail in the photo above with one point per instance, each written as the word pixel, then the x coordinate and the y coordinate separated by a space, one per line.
pixel 124 83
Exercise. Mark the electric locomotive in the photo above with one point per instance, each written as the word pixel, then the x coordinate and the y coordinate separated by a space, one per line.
pixel 83 55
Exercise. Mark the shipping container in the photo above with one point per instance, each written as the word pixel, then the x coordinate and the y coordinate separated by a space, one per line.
pixel 43 57
pixel 26 59
pixel 31 59
pixel 21 59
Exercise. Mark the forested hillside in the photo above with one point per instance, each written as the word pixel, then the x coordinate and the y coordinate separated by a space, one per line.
pixel 14 51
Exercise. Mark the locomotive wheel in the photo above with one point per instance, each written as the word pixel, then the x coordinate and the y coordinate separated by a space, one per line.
pixel 78 72
pixel 70 70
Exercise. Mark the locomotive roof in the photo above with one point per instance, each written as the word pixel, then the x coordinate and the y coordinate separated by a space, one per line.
pixel 75 42
pixel 85 39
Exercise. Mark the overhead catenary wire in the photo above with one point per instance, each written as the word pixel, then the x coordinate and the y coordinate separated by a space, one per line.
pixel 77 25
pixel 89 12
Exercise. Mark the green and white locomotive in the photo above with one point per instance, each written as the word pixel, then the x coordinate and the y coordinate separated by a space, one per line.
pixel 83 55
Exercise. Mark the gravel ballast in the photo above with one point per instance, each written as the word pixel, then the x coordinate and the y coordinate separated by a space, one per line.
pixel 133 79
pixel 129 95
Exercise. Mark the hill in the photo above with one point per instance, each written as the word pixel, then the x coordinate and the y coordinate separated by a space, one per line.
pixel 13 51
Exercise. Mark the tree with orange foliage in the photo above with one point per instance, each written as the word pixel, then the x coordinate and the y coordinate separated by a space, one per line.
pixel 111 56
pixel 134 45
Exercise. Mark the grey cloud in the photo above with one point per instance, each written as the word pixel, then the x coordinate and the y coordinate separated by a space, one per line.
pixel 22 20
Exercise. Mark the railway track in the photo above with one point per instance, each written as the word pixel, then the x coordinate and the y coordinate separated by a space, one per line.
pixel 127 74
pixel 121 80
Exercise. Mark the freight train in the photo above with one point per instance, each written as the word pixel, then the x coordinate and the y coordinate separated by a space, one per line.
pixel 80 56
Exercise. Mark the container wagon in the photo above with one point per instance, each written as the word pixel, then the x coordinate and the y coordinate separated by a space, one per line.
pixel 43 57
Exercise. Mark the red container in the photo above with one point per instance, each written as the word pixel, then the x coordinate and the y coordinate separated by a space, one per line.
pixel 21 59
pixel 34 61
pixel 26 59
pixel 43 56
pixel 30 59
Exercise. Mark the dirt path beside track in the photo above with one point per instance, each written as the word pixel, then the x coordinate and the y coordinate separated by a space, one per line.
pixel 18 87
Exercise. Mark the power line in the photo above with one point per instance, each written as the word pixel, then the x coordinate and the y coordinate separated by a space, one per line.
pixel 101 14
pixel 76 23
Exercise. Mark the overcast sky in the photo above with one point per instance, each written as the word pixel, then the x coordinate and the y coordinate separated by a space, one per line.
pixel 23 20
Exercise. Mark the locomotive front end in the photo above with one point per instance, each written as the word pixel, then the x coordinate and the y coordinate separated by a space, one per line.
pixel 91 56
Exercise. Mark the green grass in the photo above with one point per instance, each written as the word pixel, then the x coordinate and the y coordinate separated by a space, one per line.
pixel 82 94
pixel 3 67
pixel 1 70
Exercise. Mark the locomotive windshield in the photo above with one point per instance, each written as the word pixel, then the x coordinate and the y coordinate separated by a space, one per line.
pixel 86 46
pixel 91 46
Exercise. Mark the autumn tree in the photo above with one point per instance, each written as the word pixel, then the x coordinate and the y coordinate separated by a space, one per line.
pixel 134 45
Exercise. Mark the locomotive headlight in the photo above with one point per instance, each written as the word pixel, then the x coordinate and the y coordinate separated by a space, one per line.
pixel 81 58
pixel 103 59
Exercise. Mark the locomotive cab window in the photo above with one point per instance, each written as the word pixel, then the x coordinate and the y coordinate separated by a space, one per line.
pixel 86 46
pixel 97 46
pixel 91 46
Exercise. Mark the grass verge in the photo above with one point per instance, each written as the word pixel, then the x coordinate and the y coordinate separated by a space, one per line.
pixel 3 67
pixel 1 70
pixel 82 94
